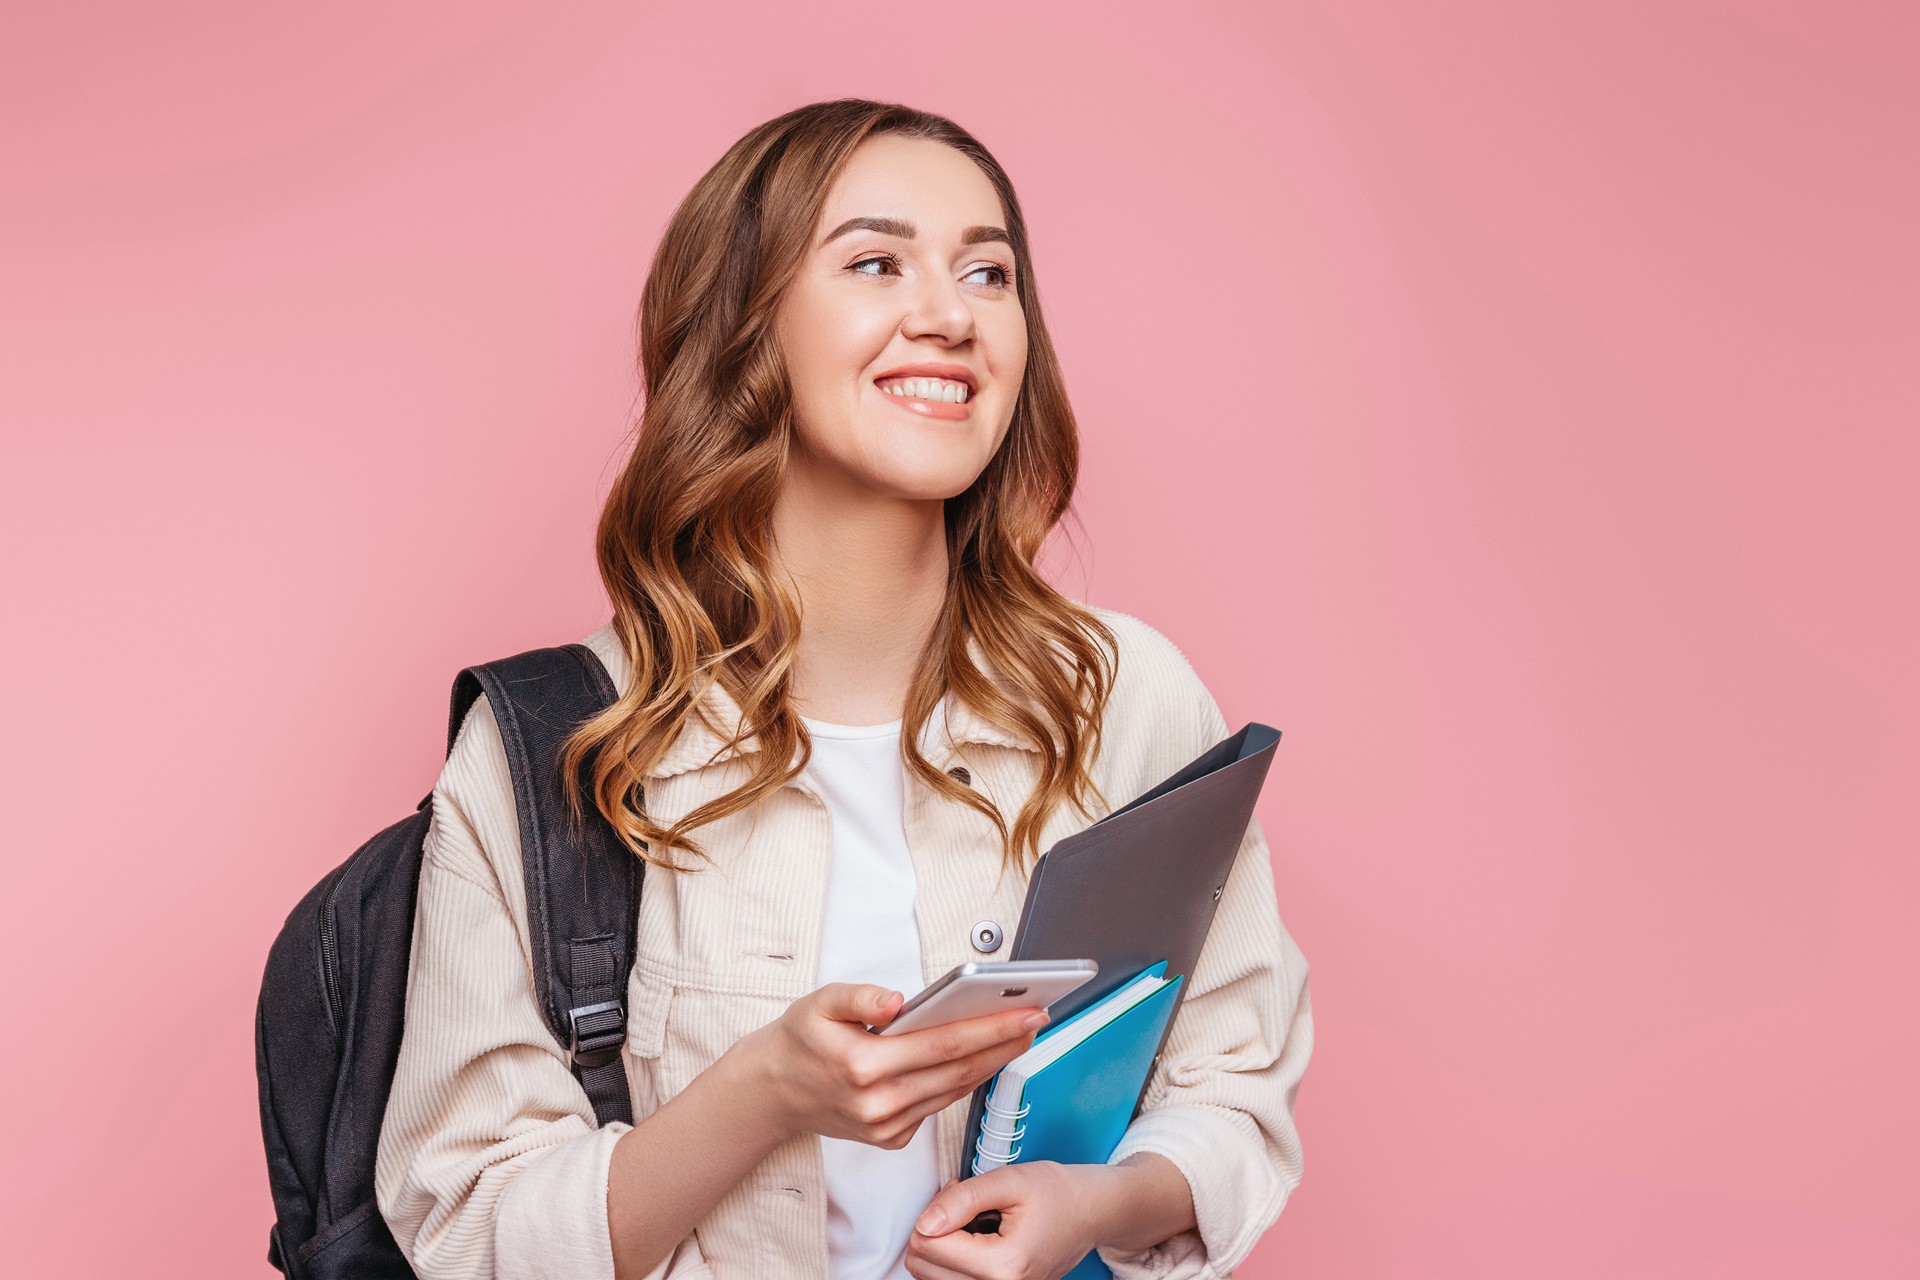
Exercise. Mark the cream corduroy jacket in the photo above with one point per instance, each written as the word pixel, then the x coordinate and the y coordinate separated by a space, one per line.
pixel 489 1162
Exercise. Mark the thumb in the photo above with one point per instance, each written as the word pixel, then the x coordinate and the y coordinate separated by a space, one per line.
pixel 961 1201
pixel 863 1002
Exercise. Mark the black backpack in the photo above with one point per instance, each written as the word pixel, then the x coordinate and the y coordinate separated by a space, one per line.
pixel 332 1003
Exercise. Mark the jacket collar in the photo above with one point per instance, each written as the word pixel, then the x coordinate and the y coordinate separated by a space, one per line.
pixel 705 737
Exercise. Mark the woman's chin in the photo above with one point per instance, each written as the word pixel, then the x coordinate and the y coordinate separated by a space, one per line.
pixel 923 479
pixel 948 483
pixel 899 469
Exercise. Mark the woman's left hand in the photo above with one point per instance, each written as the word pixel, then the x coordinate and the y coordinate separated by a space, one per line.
pixel 1050 1217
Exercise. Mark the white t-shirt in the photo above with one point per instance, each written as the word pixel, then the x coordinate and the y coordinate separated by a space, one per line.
pixel 869 934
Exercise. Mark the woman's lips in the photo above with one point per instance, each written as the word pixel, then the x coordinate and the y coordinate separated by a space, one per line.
pixel 943 410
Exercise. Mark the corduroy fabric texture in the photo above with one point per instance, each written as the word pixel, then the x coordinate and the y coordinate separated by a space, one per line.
pixel 489 1162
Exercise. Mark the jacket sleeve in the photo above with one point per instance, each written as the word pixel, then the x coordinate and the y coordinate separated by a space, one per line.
pixel 1220 1105
pixel 489 1164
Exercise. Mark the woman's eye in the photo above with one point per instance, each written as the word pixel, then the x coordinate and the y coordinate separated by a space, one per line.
pixel 886 258
pixel 890 260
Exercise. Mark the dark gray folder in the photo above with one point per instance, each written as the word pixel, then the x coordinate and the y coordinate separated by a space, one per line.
pixel 1141 884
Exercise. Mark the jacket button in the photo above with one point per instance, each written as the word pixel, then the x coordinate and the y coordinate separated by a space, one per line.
pixel 960 775
pixel 986 936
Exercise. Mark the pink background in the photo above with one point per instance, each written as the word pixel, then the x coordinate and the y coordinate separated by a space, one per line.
pixel 1515 403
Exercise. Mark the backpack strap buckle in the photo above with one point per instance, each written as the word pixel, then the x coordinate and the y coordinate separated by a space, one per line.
pixel 598 1032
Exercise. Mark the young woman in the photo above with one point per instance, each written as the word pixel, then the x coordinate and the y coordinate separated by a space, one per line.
pixel 839 668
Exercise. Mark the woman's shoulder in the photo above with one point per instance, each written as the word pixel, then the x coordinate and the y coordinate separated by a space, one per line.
pixel 605 643
pixel 476 767
pixel 473 796
pixel 475 830
pixel 1150 665
pixel 1160 713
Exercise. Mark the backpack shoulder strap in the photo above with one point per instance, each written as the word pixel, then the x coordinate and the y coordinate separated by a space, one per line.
pixel 583 885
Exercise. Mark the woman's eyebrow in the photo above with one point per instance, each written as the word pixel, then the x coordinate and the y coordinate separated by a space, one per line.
pixel 906 230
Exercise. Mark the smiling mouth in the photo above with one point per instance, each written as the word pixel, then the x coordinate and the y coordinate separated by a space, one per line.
pixel 939 390
pixel 934 404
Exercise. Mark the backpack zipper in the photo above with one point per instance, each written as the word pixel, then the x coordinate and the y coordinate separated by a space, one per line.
pixel 330 957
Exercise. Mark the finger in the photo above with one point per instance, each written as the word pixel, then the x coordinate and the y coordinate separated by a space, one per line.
pixel 958 1253
pixel 963 1199
pixel 915 1111
pixel 906 1104
pixel 921 1267
pixel 924 1267
pixel 861 1002
pixel 912 1050
pixel 909 1103
pixel 952 1080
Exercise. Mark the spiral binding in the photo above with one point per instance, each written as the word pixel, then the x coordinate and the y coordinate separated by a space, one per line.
pixel 979 1156
pixel 1012 1135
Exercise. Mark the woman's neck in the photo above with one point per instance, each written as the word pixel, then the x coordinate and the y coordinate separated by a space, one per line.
pixel 871 573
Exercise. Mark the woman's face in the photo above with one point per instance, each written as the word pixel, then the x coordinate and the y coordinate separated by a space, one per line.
pixel 908 267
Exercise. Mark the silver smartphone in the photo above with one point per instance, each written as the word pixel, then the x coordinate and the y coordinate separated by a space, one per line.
pixel 984 986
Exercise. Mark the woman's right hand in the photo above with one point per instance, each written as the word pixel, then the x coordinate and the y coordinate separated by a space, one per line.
pixel 825 1073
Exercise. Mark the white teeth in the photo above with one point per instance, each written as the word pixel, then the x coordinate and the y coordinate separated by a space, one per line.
pixel 927 389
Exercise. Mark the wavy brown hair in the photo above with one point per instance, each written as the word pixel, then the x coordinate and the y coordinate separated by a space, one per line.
pixel 685 540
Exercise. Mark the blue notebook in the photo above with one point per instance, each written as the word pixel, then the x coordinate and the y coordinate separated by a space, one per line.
pixel 1070 1097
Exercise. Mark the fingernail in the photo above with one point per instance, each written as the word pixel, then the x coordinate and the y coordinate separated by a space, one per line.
pixel 931 1223
pixel 1034 1021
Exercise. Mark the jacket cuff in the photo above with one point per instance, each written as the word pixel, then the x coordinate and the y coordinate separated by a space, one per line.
pixel 551 1220
pixel 1237 1194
